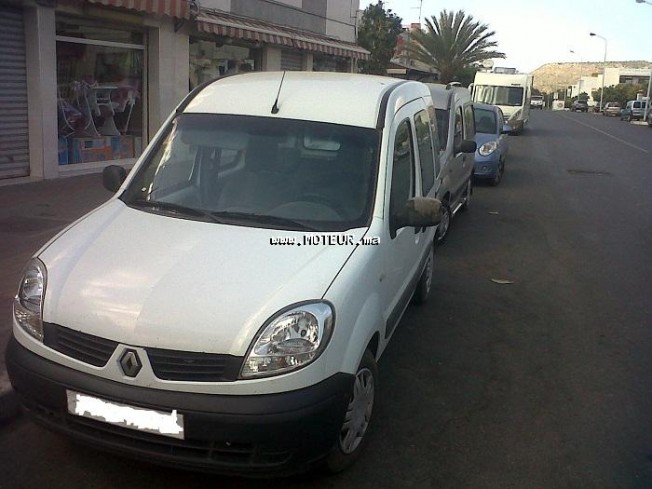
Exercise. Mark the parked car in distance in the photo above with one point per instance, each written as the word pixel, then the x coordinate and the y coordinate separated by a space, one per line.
pixel 223 310
pixel 633 110
pixel 579 106
pixel 537 102
pixel 649 116
pixel 456 130
pixel 491 136
pixel 611 109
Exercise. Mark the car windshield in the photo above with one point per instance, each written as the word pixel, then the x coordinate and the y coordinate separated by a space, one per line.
pixel 260 171
pixel 498 95
pixel 485 121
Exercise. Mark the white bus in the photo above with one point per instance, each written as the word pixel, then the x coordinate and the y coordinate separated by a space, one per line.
pixel 510 92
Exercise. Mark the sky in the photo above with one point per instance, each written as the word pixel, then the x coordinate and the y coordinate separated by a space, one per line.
pixel 532 33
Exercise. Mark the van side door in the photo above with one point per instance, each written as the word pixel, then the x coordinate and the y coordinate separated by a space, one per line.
pixel 402 253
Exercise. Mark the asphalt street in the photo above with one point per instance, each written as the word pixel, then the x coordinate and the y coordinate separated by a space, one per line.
pixel 540 382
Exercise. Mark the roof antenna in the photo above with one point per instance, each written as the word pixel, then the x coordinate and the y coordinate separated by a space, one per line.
pixel 275 106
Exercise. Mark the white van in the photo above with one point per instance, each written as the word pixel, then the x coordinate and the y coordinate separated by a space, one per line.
pixel 456 129
pixel 225 310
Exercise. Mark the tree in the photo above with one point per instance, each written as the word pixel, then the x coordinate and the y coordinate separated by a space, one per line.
pixel 453 43
pixel 619 93
pixel 378 32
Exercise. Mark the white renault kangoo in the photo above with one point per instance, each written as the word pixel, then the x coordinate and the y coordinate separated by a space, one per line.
pixel 225 310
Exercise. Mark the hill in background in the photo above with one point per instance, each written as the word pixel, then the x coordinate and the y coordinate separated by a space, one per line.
pixel 559 75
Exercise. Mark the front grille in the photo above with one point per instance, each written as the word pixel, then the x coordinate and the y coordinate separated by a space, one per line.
pixel 193 366
pixel 167 364
pixel 80 346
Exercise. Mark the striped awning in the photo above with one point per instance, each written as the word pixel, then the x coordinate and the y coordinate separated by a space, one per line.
pixel 226 25
pixel 181 9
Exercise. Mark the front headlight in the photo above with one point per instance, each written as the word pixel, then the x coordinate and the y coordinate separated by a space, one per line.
pixel 487 148
pixel 28 304
pixel 291 340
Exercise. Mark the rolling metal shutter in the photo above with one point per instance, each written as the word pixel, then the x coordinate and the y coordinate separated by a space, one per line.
pixel 14 147
pixel 291 61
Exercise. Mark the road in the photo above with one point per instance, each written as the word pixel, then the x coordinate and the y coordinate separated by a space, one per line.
pixel 539 383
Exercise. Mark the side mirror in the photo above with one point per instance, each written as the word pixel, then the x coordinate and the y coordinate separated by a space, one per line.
pixel 507 129
pixel 418 212
pixel 467 146
pixel 112 177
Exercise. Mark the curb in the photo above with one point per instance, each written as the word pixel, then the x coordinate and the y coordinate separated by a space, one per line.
pixel 9 406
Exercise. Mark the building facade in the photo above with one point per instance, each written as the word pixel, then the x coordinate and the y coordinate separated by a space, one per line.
pixel 87 83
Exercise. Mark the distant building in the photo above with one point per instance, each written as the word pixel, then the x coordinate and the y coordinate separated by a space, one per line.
pixel 403 66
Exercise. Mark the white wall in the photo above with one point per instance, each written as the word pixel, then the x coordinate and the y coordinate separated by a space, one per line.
pixel 344 12
pixel 40 31
pixel 168 72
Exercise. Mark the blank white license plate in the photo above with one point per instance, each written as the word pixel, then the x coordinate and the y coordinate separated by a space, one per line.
pixel 135 418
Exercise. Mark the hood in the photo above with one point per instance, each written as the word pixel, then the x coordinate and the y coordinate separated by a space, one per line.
pixel 150 280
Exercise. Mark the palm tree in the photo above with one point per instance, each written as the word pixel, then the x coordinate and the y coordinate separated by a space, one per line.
pixel 453 44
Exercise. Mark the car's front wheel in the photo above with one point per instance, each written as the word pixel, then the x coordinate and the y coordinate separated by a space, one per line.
pixel 425 281
pixel 499 175
pixel 467 194
pixel 351 439
pixel 444 224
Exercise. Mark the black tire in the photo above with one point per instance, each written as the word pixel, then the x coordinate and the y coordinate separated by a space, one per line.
pixel 444 225
pixel 499 175
pixel 422 291
pixel 346 451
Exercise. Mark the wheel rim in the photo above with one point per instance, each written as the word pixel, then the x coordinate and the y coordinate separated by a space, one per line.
pixel 358 413
pixel 442 229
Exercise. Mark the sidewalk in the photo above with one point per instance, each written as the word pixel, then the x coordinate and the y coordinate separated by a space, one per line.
pixel 30 214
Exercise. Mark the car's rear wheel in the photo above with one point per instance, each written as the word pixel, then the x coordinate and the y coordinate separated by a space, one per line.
pixel 351 439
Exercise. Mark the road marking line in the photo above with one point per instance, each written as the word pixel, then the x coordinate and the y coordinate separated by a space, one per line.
pixel 607 134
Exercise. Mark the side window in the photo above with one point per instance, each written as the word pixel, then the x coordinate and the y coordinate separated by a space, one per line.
pixel 436 136
pixel 469 122
pixel 402 175
pixel 426 151
pixel 458 135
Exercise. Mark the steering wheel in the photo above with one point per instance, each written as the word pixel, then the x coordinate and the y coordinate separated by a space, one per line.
pixel 325 201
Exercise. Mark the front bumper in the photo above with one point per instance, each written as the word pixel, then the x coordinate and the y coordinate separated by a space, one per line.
pixel 247 435
pixel 486 166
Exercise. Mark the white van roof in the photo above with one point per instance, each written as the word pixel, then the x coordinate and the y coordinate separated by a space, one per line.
pixel 442 94
pixel 339 98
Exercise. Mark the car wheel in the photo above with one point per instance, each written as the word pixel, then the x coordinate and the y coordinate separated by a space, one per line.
pixel 499 175
pixel 355 426
pixel 467 194
pixel 425 282
pixel 444 224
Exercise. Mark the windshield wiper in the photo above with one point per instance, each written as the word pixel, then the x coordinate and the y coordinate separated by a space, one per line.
pixel 290 224
pixel 172 208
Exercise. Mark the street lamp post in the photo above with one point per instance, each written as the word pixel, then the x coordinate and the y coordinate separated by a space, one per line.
pixel 579 82
pixel 604 66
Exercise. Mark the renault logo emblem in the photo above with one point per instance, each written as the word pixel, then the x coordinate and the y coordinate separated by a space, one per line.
pixel 130 363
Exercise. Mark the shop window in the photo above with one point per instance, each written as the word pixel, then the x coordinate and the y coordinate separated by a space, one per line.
pixel 100 93
pixel 331 63
pixel 210 60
